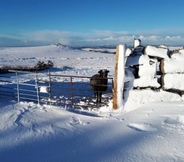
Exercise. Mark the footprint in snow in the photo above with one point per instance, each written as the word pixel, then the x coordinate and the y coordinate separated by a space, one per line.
pixel 19 116
pixel 142 127
pixel 174 120
pixel 77 121
pixel 174 123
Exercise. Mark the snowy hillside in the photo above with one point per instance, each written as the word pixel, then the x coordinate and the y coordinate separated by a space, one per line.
pixel 60 55
pixel 149 128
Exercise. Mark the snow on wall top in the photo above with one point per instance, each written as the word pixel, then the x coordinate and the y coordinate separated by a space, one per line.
pixel 137 42
pixel 157 52
pixel 174 64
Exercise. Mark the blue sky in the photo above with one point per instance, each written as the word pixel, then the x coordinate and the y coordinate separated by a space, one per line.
pixel 91 22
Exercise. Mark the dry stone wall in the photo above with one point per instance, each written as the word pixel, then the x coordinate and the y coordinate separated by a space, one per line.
pixel 156 67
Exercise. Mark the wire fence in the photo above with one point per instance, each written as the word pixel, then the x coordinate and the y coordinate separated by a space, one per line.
pixel 52 89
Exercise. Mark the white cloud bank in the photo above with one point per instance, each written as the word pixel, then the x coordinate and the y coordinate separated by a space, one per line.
pixel 94 38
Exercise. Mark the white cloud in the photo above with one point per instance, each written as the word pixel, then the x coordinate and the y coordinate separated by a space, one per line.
pixel 108 33
pixel 95 37
pixel 173 38
pixel 160 32
pixel 46 35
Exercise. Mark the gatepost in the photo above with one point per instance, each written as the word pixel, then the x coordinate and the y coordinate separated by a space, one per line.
pixel 119 77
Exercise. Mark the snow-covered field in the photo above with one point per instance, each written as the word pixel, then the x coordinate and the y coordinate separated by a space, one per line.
pixel 150 128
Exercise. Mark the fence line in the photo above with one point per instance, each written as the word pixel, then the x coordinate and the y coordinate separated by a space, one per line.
pixel 7 88
pixel 53 89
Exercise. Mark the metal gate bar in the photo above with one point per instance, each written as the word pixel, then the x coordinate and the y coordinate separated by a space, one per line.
pixel 7 86
pixel 57 89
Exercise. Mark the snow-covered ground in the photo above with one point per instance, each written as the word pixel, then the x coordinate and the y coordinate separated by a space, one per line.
pixel 150 128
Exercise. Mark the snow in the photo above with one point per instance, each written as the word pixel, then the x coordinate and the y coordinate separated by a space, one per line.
pixel 157 51
pixel 148 69
pixel 173 81
pixel 137 60
pixel 175 63
pixel 151 127
pixel 44 89
pixel 146 81
pixel 128 52
pixel 137 42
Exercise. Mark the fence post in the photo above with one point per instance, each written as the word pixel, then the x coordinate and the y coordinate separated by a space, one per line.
pixel 71 84
pixel 49 90
pixel 18 90
pixel 119 77
pixel 37 88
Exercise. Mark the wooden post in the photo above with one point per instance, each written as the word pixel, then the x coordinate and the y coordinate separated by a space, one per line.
pixel 119 77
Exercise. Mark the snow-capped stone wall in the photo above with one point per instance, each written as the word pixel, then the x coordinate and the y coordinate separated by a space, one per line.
pixel 156 67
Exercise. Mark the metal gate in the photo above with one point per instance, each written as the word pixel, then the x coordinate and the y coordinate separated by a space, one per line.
pixel 47 88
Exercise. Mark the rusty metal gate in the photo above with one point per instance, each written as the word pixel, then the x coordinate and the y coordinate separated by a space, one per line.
pixel 52 89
